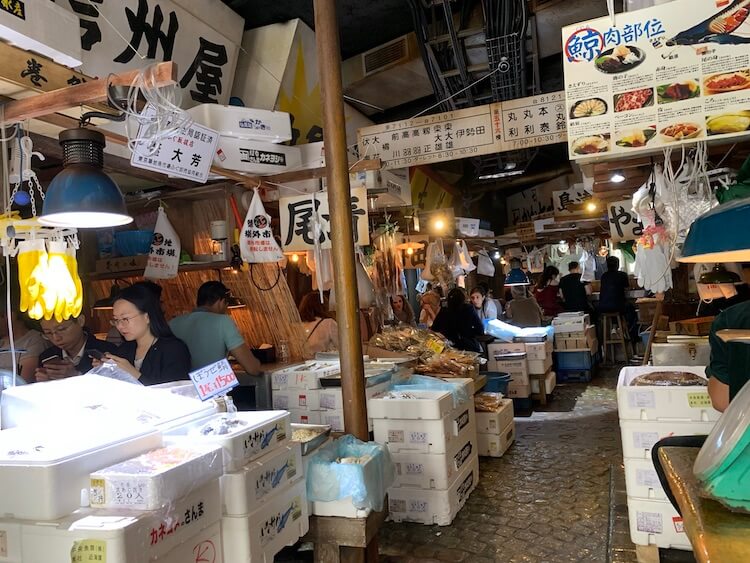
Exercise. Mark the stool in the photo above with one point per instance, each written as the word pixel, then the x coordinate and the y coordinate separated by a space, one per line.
pixel 346 540
pixel 607 340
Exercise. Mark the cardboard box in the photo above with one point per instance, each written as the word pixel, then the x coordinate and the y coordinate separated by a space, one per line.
pixel 519 391
pixel 540 366
pixel 550 381
pixel 514 367
pixel 495 445
pixel 121 264
pixel 538 350
pixel 495 422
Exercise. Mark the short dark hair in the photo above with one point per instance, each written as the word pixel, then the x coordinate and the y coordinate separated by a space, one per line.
pixel 211 292
pixel 145 300
pixel 456 298
pixel 613 263
pixel 573 265
pixel 310 308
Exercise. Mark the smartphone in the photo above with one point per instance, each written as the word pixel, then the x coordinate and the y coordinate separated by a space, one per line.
pixel 96 354
pixel 55 357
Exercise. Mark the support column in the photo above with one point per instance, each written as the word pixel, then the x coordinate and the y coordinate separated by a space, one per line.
pixel 339 203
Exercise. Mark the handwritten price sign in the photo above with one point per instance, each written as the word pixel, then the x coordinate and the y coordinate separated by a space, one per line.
pixel 214 379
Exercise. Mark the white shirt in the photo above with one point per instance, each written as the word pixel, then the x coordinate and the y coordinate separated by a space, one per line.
pixel 75 360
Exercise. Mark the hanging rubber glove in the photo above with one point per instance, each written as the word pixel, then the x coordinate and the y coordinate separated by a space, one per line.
pixel 72 263
pixel 32 263
pixel 60 290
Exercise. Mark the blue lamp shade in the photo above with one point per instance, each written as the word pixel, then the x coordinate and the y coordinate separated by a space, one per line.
pixel 720 235
pixel 82 195
pixel 516 277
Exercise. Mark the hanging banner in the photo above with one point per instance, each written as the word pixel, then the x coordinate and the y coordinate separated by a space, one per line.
pixel 298 221
pixel 663 76
pixel 418 258
pixel 574 195
pixel 492 128
pixel 256 240
pixel 164 258
pixel 623 223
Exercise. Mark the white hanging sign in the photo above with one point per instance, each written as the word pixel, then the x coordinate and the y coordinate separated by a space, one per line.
pixel 623 222
pixel 164 258
pixel 298 220
pixel 214 379
pixel 256 239
pixel 575 194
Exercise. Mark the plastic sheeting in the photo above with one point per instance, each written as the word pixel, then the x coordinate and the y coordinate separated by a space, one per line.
pixel 508 333
pixel 426 383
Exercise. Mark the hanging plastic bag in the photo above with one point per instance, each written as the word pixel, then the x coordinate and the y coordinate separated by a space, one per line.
pixel 461 262
pixel 365 289
pixel 433 255
pixel 257 244
pixel 485 266
pixel 164 260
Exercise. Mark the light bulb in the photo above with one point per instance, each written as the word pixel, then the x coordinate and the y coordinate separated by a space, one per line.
pixel 295 258
pixel 497 255
pixel 409 251
pixel 439 224
pixel 591 206
pixel 617 177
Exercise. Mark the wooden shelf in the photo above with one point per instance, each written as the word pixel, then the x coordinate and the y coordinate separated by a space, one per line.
pixel 138 273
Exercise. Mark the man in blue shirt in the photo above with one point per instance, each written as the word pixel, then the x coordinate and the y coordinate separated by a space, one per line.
pixel 210 333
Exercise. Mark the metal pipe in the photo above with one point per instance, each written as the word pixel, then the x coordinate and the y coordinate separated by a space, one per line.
pixel 339 203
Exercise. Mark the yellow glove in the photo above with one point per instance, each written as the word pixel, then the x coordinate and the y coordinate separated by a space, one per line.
pixel 60 290
pixel 70 260
pixel 32 264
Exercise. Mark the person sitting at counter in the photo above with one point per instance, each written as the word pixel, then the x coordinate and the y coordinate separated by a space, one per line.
pixel 430 307
pixel 402 310
pixel 69 354
pixel 575 293
pixel 459 323
pixel 612 299
pixel 28 343
pixel 547 292
pixel 210 333
pixel 484 306
pixel 522 310
pixel 321 331
pixel 151 353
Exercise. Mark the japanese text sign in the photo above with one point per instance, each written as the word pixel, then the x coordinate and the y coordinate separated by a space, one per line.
pixel 671 74
pixel 214 379
pixel 164 257
pixel 256 238
pixel 492 128
pixel 298 220
pixel 418 258
pixel 186 154
pixel 623 223
pixel 156 31
pixel 574 195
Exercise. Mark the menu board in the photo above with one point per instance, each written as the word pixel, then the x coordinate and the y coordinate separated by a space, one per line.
pixel 663 76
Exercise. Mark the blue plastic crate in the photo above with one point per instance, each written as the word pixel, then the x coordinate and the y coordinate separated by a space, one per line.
pixel 574 376
pixel 574 360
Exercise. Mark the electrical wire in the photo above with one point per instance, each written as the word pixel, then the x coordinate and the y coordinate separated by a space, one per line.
pixel 9 312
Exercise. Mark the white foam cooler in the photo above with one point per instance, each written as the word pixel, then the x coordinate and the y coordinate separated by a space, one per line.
pixel 639 436
pixel 656 522
pixel 244 123
pixel 303 376
pixel 641 480
pixel 44 469
pixel 204 546
pixel 258 536
pixel 250 435
pixel 495 445
pixel 299 399
pixel 411 405
pixel 260 480
pixel 495 422
pixel 301 416
pixel 256 157
pixel 156 478
pixel 433 506
pixel 122 536
pixel 657 403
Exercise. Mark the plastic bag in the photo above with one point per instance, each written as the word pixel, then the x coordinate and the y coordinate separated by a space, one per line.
pixel 257 244
pixel 488 402
pixel 416 382
pixel 365 475
pixel 164 259
pixel 461 262
pixel 485 267
pixel 508 333
pixel 365 289
pixel 109 369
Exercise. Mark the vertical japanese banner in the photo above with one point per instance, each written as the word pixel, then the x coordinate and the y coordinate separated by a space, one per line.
pixel 256 240
pixel 164 258
pixel 298 215
pixel 623 223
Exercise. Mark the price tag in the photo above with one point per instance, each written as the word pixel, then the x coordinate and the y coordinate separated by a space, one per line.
pixel 214 379
pixel 435 345
pixel 650 522
pixel 699 400
pixel 679 525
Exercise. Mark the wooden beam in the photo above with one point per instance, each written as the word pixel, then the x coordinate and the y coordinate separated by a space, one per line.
pixel 439 180
pixel 93 91
pixel 315 173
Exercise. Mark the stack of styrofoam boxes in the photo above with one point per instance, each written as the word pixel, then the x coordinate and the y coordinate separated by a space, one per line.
pixel 297 389
pixel 648 414
pixel 576 346
pixel 496 431
pixel 504 357
pixel 432 438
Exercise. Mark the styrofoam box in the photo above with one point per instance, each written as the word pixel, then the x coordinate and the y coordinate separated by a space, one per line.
pixel 244 123
pixel 550 382
pixel 204 546
pixel 98 400
pixel 332 398
pixel 125 536
pixel 259 536
pixel 540 366
pixel 659 403
pixel 44 469
pixel 639 436
pixel 156 478
pixel 302 399
pixel 261 479
pixel 427 436
pixel 303 376
pixel 433 506
pixel 335 419
pixel 496 444
pixel 656 522
pixel 301 416
pixel 262 432
pixel 641 480
pixel 342 508
pixel 256 157
pixel 433 471
pixel 412 405
pixel 570 323
pixel 495 422
pixel 519 391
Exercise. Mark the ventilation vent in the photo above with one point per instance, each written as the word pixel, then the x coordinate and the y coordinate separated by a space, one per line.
pixel 385 56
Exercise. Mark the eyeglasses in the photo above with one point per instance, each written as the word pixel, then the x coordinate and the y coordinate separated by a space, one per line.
pixel 125 321
pixel 50 334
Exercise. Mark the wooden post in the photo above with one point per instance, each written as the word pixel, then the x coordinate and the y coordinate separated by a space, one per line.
pixel 339 203
pixel 652 332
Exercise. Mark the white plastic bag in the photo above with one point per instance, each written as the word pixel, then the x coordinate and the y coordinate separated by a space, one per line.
pixel 164 260
pixel 257 244
pixel 485 267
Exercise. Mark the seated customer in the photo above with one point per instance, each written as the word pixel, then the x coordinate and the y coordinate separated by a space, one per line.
pixel 547 292
pixel 322 332
pixel 612 299
pixel 523 311
pixel 150 353
pixel 402 310
pixel 27 342
pixel 459 323
pixel 575 293
pixel 69 351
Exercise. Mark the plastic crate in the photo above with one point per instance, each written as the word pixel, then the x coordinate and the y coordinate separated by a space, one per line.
pixel 574 375
pixel 574 360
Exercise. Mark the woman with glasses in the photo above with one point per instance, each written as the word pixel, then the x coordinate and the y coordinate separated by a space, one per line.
pixel 70 350
pixel 150 353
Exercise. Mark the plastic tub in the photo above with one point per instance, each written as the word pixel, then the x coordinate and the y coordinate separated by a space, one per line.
pixel 497 382
pixel 133 243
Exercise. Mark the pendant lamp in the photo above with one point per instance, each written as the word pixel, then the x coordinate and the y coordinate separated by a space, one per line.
pixel 82 195
pixel 719 275
pixel 720 235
